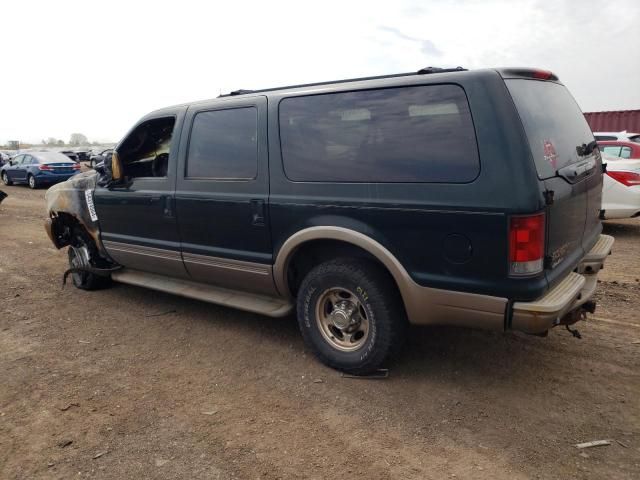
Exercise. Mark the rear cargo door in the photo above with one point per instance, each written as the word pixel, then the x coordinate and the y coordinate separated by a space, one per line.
pixel 567 162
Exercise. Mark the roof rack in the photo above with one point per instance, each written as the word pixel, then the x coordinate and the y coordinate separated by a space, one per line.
pixel 422 71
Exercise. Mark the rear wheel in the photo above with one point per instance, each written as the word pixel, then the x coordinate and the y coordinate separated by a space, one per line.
pixel 351 315
pixel 31 180
pixel 5 179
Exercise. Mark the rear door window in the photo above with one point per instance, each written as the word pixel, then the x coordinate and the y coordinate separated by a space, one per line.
pixel 409 134
pixel 553 122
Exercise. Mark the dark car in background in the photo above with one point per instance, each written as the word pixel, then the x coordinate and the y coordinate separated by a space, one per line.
pixel 69 154
pixel 99 156
pixel 467 198
pixel 38 168
pixel 83 155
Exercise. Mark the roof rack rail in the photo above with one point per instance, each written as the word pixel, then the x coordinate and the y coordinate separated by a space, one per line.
pixel 241 91
pixel 425 71
pixel 422 71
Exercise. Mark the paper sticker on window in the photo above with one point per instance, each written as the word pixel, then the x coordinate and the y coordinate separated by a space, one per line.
pixel 91 206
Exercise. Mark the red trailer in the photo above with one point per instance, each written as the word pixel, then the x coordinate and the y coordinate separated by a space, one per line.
pixel 615 121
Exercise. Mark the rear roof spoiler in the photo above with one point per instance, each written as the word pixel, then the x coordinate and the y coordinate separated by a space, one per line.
pixel 534 73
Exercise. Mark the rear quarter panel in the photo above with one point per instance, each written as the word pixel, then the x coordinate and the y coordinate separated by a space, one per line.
pixel 417 222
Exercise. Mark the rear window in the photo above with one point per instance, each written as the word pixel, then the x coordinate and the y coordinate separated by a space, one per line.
pixel 410 134
pixel 553 122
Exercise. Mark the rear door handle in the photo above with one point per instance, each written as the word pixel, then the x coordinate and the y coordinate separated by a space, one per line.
pixel 257 212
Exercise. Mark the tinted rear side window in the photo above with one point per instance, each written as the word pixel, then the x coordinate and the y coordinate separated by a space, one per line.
pixel 223 144
pixel 615 151
pixel 553 122
pixel 410 134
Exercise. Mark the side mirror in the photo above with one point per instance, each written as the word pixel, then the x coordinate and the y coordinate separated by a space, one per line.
pixel 116 167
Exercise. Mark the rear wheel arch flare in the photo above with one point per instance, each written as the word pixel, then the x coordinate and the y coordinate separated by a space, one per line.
pixel 341 239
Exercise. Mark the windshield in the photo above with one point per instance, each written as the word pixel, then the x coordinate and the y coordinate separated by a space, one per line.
pixel 553 122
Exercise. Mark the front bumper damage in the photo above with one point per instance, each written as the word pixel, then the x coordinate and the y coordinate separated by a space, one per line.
pixel 567 302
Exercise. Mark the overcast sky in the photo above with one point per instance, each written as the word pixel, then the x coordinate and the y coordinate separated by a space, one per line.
pixel 96 67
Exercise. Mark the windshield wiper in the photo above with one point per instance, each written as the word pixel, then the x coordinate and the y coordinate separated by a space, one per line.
pixel 586 148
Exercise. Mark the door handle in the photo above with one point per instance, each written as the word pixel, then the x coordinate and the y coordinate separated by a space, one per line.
pixel 168 206
pixel 257 213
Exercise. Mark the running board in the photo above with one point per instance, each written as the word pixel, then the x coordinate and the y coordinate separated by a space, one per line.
pixel 250 302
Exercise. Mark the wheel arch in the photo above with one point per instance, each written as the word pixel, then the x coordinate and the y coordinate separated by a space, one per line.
pixel 314 235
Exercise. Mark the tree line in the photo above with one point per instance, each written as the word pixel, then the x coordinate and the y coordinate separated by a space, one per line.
pixel 75 140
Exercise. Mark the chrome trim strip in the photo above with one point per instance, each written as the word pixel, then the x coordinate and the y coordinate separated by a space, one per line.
pixel 227 263
pixel 142 250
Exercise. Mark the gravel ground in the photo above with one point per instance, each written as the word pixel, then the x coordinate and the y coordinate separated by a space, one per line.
pixel 130 383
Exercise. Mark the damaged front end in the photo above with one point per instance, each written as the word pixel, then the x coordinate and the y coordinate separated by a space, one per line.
pixel 71 212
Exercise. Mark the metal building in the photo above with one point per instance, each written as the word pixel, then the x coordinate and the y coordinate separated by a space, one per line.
pixel 614 121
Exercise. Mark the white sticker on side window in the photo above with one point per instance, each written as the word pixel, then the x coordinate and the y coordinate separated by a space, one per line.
pixel 90 205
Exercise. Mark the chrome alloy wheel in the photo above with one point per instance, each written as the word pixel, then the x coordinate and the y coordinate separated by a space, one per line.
pixel 342 319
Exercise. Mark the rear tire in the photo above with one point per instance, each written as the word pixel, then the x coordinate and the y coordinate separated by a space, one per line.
pixel 31 180
pixel 6 180
pixel 351 315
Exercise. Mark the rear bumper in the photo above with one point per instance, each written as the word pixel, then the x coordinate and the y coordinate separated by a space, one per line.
pixel 570 294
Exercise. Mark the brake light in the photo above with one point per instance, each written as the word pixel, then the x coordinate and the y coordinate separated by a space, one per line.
pixel 76 166
pixel 526 244
pixel 542 74
pixel 629 179
pixel 45 168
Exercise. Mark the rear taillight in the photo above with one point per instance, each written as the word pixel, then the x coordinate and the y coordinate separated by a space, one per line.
pixel 45 168
pixel 76 166
pixel 630 179
pixel 526 244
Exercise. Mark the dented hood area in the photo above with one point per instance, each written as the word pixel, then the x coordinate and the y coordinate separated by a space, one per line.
pixel 73 198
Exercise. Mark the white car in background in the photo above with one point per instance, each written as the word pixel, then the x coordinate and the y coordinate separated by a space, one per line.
pixel 623 136
pixel 621 188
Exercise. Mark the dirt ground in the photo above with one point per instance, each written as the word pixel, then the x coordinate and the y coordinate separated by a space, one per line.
pixel 130 383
